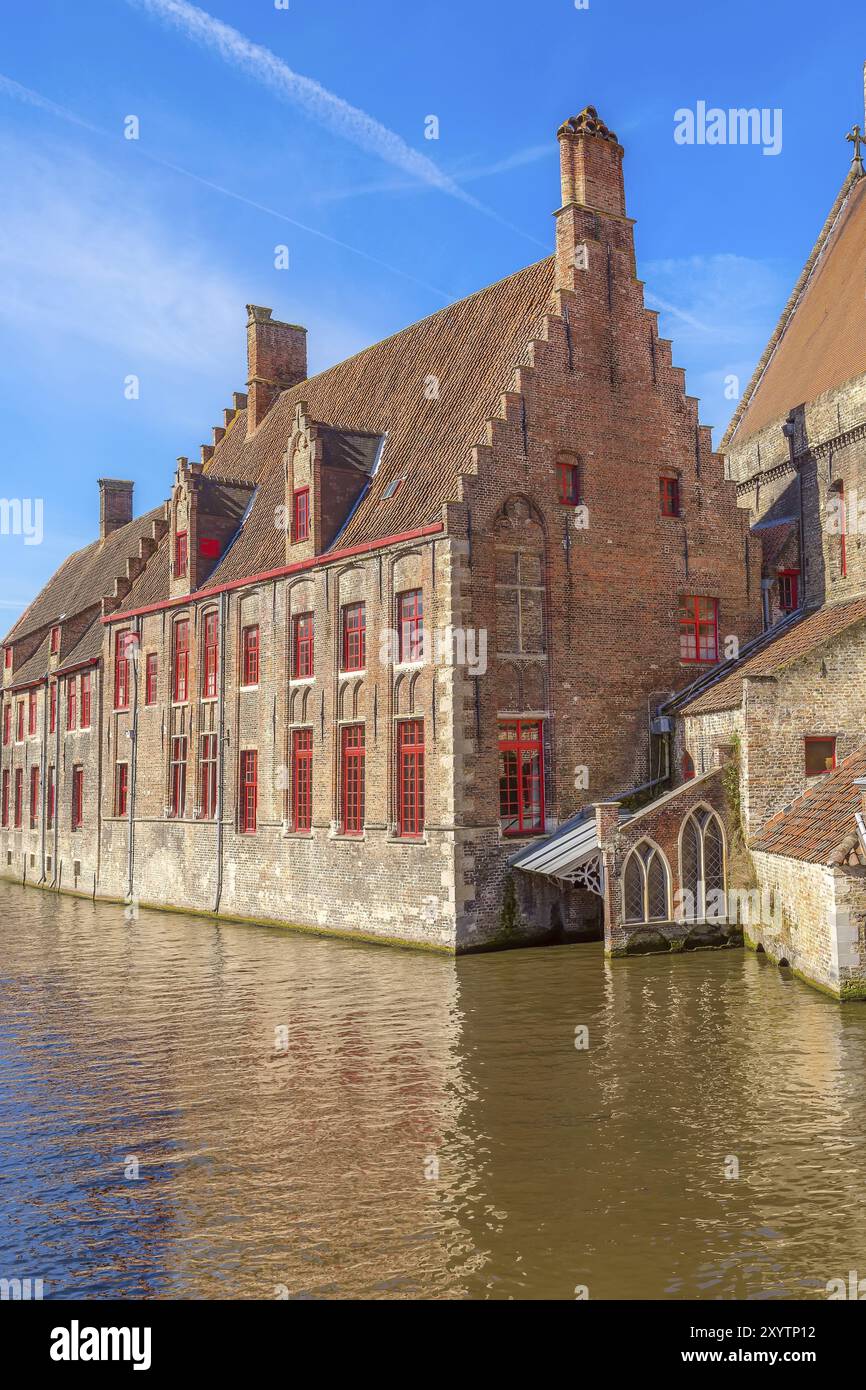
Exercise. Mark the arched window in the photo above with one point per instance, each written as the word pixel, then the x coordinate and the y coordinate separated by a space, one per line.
pixel 646 885
pixel 702 867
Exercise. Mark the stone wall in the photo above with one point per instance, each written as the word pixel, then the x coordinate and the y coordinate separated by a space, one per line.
pixel 816 924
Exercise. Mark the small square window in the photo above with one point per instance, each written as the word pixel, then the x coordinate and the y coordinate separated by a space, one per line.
pixel 820 756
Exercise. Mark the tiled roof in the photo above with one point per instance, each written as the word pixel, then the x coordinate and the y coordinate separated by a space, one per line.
pixel 820 341
pixel 821 823
pixel 84 579
pixel 799 637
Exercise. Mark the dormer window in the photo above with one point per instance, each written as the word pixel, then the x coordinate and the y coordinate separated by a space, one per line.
pixel 301 514
pixel 181 555
pixel 54 643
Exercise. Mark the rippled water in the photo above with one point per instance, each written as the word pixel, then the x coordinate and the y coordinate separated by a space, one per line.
pixel 313 1170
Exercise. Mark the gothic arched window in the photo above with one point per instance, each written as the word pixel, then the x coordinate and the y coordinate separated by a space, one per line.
pixel 702 866
pixel 646 885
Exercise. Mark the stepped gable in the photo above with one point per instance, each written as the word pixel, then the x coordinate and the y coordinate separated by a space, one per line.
pixel 819 826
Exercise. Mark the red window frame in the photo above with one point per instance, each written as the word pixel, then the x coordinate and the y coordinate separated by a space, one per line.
pixel 569 484
pixel 54 646
pixel 181 554
pixel 121 670
pixel 19 722
pixel 34 796
pixel 302 779
pixel 410 625
pixel 302 645
pixel 699 628
pixel 180 662
pixel 151 676
pixel 7 658
pixel 71 704
pixel 789 590
pixel 521 776
pixel 669 495
pixel 77 797
pixel 211 654
pixel 121 788
pixel 49 808
pixel 250 655
pixel 7 723
pixel 19 797
pixel 354 643
pixel 248 791
pixel 52 708
pixel 85 700
pixel 811 743
pixel 410 779
pixel 352 755
pixel 31 713
pixel 4 810
pixel 177 777
pixel 207 776
pixel 301 514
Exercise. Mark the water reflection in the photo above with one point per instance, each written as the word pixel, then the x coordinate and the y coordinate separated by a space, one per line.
pixel 430 1128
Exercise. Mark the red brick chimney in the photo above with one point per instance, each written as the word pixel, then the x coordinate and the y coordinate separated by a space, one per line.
pixel 276 358
pixel 590 163
pixel 115 505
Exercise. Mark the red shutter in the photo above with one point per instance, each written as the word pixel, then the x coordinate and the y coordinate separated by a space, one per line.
pixel 34 797
pixel 352 779
pixel 410 778
pixel 4 817
pixel 31 712
pixel 249 792
pixel 302 778
pixel 18 796
pixel 19 722
pixel 77 797
pixel 7 723
pixel 50 807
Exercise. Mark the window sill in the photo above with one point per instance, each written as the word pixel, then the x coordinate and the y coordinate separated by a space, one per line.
pixel 243 689
pixel 346 671
pixel 301 680
pixel 406 840
pixel 352 837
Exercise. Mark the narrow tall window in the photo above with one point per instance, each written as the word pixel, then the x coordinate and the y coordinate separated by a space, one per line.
pixel 669 496
pixel 211 655
pixel 34 797
pixel 77 797
pixel 789 590
pixel 4 817
pixel 569 484
pixel 702 867
pixel 52 708
pixel 302 644
pixel 19 722
pixel 181 554
pixel 646 885
pixel 19 796
pixel 151 671
pixel 410 625
pixel 699 628
pixel 301 515
pixel 177 778
pixel 31 713
pixel 121 670
pixel 207 776
pixel 302 778
pixel 820 755
pixel 85 699
pixel 180 689
pixel 250 656
pixel 71 704
pixel 7 723
pixel 354 644
pixel 55 641
pixel 410 778
pixel 352 779
pixel 7 658
pixel 249 792
pixel 521 777
pixel 49 808
pixel 121 789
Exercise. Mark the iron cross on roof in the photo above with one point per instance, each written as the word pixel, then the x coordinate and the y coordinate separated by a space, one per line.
pixel 856 137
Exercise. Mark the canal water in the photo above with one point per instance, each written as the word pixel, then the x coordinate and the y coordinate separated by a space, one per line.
pixel 222 1111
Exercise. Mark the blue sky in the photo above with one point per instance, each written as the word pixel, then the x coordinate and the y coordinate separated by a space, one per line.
pixel 122 257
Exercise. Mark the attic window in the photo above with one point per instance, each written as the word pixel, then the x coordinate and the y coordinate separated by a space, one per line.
pixel 392 489
pixel 820 755
pixel 55 641
pixel 7 658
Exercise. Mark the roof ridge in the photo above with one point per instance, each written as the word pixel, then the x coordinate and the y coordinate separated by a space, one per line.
pixel 852 179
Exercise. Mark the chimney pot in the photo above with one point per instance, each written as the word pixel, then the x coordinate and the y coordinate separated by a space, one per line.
pixel 115 505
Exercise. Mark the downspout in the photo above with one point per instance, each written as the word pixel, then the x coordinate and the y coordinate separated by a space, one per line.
pixel 133 768
pixel 43 773
pixel 220 751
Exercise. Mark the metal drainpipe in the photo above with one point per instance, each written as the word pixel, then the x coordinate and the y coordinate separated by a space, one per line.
pixel 220 750
pixel 133 767
pixel 43 790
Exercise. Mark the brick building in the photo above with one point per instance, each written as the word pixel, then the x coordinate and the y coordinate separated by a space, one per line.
pixel 402 622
